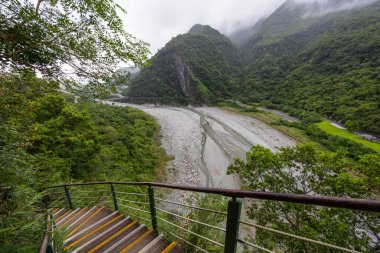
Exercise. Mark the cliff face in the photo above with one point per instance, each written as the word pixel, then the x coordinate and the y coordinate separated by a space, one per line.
pixel 183 74
pixel 196 67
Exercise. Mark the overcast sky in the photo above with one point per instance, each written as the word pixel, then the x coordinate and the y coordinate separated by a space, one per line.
pixel 157 21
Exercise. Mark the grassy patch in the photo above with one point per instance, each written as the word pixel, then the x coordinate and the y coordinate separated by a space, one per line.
pixel 330 129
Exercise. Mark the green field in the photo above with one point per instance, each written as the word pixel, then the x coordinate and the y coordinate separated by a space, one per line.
pixel 328 128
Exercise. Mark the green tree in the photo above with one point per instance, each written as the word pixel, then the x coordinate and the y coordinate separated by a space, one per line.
pixel 67 40
pixel 306 170
pixel 351 125
pixel 62 130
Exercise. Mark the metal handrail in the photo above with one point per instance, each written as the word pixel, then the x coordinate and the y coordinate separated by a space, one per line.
pixel 133 201
pixel 192 220
pixel 234 208
pixel 132 193
pixel 45 240
pixel 186 241
pixel 254 246
pixel 301 238
pixel 136 209
pixel 191 232
pixel 194 207
pixel 340 202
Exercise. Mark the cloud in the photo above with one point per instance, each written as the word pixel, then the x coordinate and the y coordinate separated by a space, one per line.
pixel 156 22
pixel 322 7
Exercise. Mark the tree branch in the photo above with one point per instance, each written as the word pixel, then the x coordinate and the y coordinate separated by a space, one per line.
pixel 38 6
pixel 46 42
pixel 288 218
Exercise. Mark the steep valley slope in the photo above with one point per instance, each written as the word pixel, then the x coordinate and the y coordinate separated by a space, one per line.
pixel 304 59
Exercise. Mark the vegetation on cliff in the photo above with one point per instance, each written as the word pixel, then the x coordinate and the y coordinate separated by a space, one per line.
pixel 198 67
pixel 328 65
pixel 47 140
pixel 298 60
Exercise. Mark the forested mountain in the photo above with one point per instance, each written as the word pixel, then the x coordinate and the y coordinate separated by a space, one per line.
pixel 305 57
pixel 325 63
pixel 195 67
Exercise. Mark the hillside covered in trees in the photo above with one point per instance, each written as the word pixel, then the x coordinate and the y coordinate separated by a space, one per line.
pixel 300 59
pixel 47 139
pixel 196 67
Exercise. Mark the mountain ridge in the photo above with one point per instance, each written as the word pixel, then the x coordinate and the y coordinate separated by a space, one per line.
pixel 326 64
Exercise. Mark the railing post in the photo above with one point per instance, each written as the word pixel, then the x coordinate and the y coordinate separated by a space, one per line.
pixel 232 228
pixel 152 207
pixel 68 197
pixel 49 248
pixel 114 197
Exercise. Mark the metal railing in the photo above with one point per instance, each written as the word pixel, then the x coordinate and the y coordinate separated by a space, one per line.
pixel 143 202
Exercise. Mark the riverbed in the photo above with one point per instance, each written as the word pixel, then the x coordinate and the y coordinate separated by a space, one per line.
pixel 203 141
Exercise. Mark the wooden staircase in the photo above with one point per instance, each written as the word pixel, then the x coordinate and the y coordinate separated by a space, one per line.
pixel 99 229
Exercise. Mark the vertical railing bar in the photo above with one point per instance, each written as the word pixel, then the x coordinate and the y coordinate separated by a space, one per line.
pixel 68 197
pixel 114 197
pixel 152 208
pixel 232 228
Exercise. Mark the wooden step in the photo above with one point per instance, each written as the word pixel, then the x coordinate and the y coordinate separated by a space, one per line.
pixel 140 241
pixel 107 242
pixel 58 213
pixel 98 238
pixel 95 231
pixel 85 229
pixel 101 230
pixel 81 218
pixel 125 241
pixel 172 248
pixel 74 217
pixel 155 246
pixel 67 217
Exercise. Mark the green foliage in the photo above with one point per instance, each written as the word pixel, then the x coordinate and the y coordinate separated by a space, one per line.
pixel 196 67
pixel 325 65
pixel 53 34
pixel 309 66
pixel 128 145
pixel 21 221
pixel 336 143
pixel 327 127
pixel 213 202
pixel 306 170
pixel 60 129
pixel 46 140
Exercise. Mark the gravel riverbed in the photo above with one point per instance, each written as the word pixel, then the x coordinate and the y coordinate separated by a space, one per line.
pixel 203 141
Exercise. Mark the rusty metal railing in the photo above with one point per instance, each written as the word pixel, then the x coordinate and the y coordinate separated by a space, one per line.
pixel 232 221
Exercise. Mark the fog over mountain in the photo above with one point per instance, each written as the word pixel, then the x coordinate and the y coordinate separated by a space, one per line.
pixel 322 7
pixel 156 22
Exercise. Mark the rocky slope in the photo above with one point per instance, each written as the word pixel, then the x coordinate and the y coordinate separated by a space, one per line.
pixel 195 67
